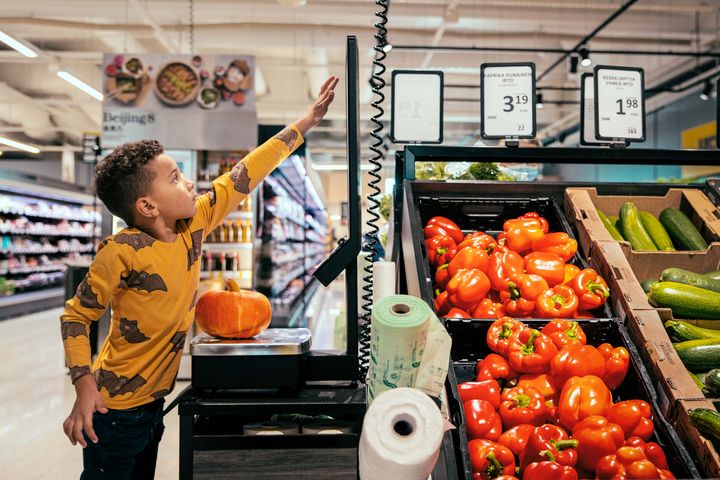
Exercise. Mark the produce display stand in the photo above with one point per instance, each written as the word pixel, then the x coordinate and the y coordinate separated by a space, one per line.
pixel 482 205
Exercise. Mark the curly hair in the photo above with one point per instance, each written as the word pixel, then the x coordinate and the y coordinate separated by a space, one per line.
pixel 123 177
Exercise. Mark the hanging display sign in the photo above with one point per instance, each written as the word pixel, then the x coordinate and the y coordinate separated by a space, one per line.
pixel 185 102
pixel 587 113
pixel 507 101
pixel 417 106
pixel 619 104
pixel 91 147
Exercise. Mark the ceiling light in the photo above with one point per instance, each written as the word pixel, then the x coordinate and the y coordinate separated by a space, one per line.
pixel 12 43
pixel 18 145
pixel 539 101
pixel 706 91
pixel 574 63
pixel 73 80
pixel 585 55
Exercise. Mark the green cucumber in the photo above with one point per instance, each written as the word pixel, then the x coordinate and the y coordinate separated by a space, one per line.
pixel 685 300
pixel 713 275
pixel 618 225
pixel 610 227
pixel 690 278
pixel 687 331
pixel 697 380
pixel 699 355
pixel 712 382
pixel 706 420
pixel 681 230
pixel 633 231
pixel 647 284
pixel 657 232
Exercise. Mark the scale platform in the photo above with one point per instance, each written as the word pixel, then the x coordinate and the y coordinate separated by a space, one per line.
pixel 271 359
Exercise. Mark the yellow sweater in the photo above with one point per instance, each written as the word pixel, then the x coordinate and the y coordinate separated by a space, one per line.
pixel 152 287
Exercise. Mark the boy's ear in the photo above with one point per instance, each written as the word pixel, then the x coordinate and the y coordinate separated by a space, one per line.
pixel 145 208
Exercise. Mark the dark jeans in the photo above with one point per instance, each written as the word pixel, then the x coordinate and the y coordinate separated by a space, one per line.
pixel 127 443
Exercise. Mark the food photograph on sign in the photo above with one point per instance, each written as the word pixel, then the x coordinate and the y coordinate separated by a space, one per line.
pixel 208 82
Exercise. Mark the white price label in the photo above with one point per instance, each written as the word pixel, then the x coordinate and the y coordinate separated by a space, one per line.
pixel 508 100
pixel 417 98
pixel 588 113
pixel 619 103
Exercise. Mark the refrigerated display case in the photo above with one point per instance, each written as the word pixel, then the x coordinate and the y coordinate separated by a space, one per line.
pixel 482 205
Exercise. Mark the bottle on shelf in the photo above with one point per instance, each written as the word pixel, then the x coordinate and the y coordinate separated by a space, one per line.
pixel 247 204
pixel 222 266
pixel 229 232
pixel 237 231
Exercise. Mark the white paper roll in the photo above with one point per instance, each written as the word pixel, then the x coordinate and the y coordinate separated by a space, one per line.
pixel 401 436
pixel 383 280
pixel 271 428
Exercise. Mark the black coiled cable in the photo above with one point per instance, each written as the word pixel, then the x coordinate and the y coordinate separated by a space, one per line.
pixel 377 84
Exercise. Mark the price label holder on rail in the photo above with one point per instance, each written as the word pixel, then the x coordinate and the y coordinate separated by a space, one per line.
pixel 587 115
pixel 619 104
pixel 507 101
pixel 417 106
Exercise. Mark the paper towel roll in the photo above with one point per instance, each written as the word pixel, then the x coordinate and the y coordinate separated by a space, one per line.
pixel 383 280
pixel 397 342
pixel 327 427
pixel 401 436
pixel 271 428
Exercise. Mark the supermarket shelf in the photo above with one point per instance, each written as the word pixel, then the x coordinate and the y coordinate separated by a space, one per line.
pixel 18 271
pixel 303 298
pixel 48 217
pixel 205 185
pixel 23 303
pixel 45 252
pixel 46 234
pixel 239 216
pixel 226 247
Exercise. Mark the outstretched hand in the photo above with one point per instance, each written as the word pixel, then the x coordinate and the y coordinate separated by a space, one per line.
pixel 319 108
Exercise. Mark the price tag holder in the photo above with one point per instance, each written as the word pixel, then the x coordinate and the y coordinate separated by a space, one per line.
pixel 417 106
pixel 619 103
pixel 507 101
pixel 587 114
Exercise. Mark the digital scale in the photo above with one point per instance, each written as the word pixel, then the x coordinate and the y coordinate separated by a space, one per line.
pixel 281 357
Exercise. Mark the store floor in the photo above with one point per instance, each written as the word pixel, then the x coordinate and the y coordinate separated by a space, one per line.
pixel 36 394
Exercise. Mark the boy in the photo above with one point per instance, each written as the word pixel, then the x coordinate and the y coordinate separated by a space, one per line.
pixel 149 272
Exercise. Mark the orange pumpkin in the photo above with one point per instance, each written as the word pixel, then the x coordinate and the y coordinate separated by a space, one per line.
pixel 233 314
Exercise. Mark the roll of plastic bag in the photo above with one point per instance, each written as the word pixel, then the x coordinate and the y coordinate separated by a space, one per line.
pixel 271 428
pixel 383 280
pixel 401 436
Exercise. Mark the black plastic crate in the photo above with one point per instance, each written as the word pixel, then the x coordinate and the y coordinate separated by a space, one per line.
pixel 469 345
pixel 487 214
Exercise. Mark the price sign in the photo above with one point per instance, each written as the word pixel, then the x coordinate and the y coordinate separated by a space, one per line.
pixel 417 106
pixel 587 113
pixel 619 103
pixel 91 147
pixel 507 100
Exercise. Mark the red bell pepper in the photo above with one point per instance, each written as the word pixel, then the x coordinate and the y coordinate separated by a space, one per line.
pixel 617 364
pixel 552 415
pixel 549 469
pixel 485 390
pixel 570 272
pixel 521 232
pixel 481 420
pixel 442 277
pixel 489 460
pixel 523 291
pixel 597 438
pixel 442 303
pixel 443 226
pixel 557 302
pixel 501 477
pixel 494 367
pixel 564 332
pixel 488 309
pixel 553 439
pixel 516 438
pixel 590 288
pixel 558 243
pixel 467 288
pixel 542 220
pixel 583 397
pixel 499 333
pixel 440 249
pixel 530 351
pixel 547 265
pixel 629 463
pixel 520 405
pixel 543 383
pixel 502 265
pixel 652 451
pixel 634 417
pixel 457 313
pixel 576 360
pixel 480 240
pixel 467 258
